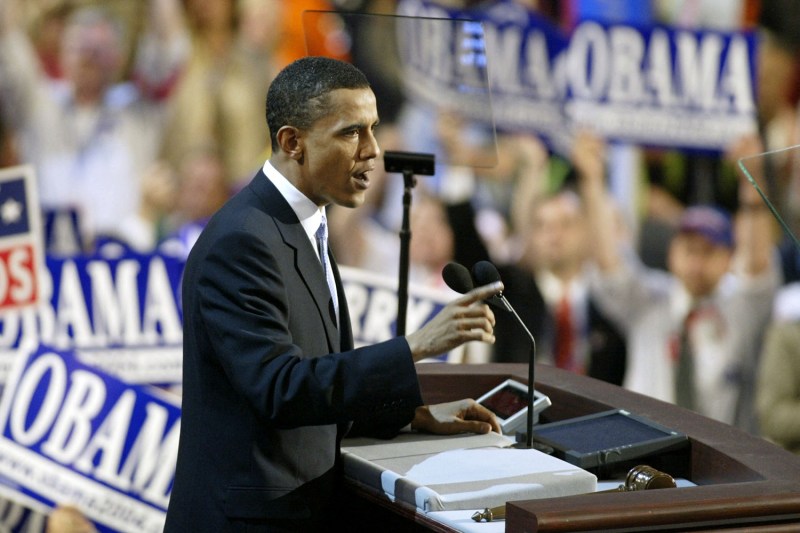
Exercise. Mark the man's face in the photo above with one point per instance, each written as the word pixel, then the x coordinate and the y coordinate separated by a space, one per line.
pixel 339 149
pixel 558 234
pixel 698 263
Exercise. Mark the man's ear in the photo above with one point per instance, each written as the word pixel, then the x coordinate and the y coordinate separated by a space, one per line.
pixel 290 142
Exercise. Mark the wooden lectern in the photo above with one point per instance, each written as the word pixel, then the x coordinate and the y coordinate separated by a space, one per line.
pixel 742 481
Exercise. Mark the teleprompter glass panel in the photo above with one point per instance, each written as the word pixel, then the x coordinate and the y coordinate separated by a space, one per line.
pixel 431 80
pixel 776 177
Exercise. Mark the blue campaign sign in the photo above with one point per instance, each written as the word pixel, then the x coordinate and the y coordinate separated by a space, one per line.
pixel 524 61
pixel 121 314
pixel 72 434
pixel 649 85
pixel 14 216
pixel 21 251
pixel 662 87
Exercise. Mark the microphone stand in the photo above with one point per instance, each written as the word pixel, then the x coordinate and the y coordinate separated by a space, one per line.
pixel 405 242
pixel 408 164
pixel 484 272
pixel 528 444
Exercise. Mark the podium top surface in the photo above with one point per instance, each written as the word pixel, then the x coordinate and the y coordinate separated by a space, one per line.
pixel 740 478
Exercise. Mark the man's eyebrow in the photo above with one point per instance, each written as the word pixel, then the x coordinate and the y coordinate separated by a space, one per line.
pixel 359 126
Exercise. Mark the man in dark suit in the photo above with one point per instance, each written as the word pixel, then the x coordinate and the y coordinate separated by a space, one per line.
pixel 550 272
pixel 271 380
pixel 549 288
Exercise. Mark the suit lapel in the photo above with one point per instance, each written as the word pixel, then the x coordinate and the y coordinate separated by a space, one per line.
pixel 307 265
pixel 345 328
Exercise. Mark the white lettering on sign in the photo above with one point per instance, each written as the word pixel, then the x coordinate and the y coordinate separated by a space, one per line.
pixel 104 312
pixel 619 65
pixel 75 426
pixel 17 279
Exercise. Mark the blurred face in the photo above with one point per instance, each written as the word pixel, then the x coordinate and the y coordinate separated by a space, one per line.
pixel 558 234
pixel 698 263
pixel 432 243
pixel 338 151
pixel 260 22
pixel 92 58
pixel 776 71
pixel 210 14
pixel 203 188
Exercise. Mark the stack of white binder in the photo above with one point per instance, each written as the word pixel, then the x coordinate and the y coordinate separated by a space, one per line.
pixel 436 473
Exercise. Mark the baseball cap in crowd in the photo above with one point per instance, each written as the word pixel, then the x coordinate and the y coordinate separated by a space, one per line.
pixel 711 222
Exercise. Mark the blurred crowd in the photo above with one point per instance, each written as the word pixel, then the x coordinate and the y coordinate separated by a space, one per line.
pixel 141 118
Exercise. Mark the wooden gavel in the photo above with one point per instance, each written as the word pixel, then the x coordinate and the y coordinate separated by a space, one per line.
pixel 640 477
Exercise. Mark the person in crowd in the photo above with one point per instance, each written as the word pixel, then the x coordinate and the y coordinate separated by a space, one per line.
pixel 202 188
pixel 539 243
pixel 271 380
pixel 778 385
pixel 548 286
pixel 694 332
pixel 92 135
pixel 222 86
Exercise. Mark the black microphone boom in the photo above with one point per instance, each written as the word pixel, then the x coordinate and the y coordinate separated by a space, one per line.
pixel 484 272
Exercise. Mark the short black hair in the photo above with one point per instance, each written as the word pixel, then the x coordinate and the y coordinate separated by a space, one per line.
pixel 298 96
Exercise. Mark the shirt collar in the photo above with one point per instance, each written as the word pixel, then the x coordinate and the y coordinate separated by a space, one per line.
pixel 308 213
pixel 681 302
pixel 553 289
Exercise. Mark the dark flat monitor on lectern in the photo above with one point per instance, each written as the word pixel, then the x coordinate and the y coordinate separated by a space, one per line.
pixel 607 438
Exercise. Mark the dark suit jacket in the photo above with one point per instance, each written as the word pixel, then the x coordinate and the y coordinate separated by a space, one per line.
pixel 270 384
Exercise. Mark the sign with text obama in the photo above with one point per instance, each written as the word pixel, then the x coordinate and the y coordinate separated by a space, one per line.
pixel 659 86
pixel 121 314
pixel 654 85
pixel 72 434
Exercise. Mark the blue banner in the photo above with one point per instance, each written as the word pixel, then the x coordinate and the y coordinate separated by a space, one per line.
pixel 71 434
pixel 663 87
pixel 655 85
pixel 21 250
pixel 121 314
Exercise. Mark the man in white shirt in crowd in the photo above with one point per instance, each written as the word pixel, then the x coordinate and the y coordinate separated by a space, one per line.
pixel 694 332
pixel 92 136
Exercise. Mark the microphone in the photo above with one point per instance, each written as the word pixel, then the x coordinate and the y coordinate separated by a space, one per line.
pixel 484 272
pixel 457 277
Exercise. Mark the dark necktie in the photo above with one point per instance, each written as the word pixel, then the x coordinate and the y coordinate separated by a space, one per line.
pixel 685 394
pixel 322 248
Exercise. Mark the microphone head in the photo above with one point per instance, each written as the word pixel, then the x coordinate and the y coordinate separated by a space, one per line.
pixel 457 277
pixel 484 272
